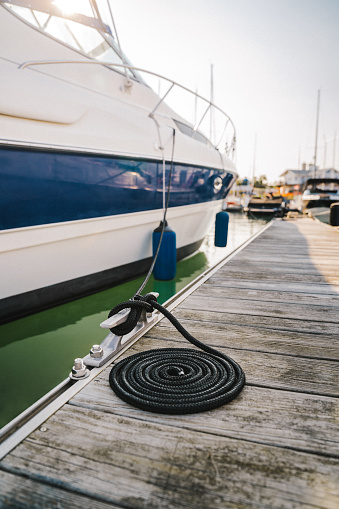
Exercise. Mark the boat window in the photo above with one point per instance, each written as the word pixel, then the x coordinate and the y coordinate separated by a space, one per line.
pixel 24 13
pixel 41 18
pixel 84 25
pixel 189 131
pixel 320 187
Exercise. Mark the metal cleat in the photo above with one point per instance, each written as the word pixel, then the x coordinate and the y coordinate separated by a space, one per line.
pixel 115 320
pixel 112 343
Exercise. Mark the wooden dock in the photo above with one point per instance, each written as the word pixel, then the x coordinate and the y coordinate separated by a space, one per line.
pixel 274 308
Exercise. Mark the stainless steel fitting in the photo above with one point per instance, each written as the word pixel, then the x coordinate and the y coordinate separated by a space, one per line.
pixel 79 370
pixel 96 351
pixel 112 344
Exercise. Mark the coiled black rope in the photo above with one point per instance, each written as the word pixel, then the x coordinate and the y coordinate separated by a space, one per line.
pixel 173 380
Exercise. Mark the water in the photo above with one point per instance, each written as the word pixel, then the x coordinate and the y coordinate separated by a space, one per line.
pixel 38 351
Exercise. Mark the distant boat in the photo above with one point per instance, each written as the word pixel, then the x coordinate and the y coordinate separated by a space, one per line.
pixel 317 196
pixel 233 202
pixel 86 151
pixel 239 196
pixel 319 192
pixel 270 204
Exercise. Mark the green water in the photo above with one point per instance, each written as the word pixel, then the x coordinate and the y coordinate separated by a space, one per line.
pixel 37 352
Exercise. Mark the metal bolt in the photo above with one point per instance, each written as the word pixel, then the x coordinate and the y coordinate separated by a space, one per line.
pixel 78 364
pixel 96 351
pixel 79 369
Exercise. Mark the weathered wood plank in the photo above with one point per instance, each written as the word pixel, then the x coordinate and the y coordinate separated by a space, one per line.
pixel 260 250
pixel 240 271
pixel 144 464
pixel 271 322
pixel 224 291
pixel 323 269
pixel 278 241
pixel 255 338
pixel 265 253
pixel 20 492
pixel 325 249
pixel 265 308
pixel 267 416
pixel 291 287
pixel 320 271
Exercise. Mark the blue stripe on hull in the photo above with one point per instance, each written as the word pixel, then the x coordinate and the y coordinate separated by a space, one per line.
pixel 42 187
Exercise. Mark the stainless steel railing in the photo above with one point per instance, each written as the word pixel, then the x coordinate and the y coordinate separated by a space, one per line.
pixel 229 148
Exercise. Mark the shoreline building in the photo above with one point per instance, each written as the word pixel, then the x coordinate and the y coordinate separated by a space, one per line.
pixel 291 181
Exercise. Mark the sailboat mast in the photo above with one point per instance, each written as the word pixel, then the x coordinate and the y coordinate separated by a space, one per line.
pixel 334 143
pixel 196 107
pixel 212 109
pixel 254 156
pixel 316 137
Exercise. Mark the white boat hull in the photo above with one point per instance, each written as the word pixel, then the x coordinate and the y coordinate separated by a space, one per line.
pixel 36 260
pixel 87 152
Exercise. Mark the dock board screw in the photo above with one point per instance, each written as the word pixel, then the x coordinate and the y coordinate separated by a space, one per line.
pixel 79 370
pixel 43 428
pixel 96 351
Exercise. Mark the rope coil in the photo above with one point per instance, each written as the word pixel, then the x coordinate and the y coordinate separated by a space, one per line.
pixel 175 380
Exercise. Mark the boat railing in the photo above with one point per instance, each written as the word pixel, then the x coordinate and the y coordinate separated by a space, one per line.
pixel 228 148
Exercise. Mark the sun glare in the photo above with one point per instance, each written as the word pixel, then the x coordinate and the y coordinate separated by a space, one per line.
pixel 72 6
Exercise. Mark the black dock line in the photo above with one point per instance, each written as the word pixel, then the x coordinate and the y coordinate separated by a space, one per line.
pixel 173 380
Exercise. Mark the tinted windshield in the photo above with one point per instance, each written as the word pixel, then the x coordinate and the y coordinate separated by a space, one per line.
pixel 85 25
pixel 320 187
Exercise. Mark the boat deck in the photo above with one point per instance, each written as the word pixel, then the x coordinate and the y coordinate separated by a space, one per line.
pixel 274 308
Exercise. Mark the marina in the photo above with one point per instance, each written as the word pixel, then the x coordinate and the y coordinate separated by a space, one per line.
pixel 169 297
pixel 271 306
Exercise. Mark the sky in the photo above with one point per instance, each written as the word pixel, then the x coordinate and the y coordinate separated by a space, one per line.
pixel 269 57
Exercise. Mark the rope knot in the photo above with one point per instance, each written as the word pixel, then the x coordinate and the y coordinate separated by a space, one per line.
pixel 136 305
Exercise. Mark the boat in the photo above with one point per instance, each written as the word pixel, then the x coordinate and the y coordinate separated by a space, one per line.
pixel 267 205
pixel 319 192
pixel 239 196
pixel 87 150
pixel 233 202
pixel 317 196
